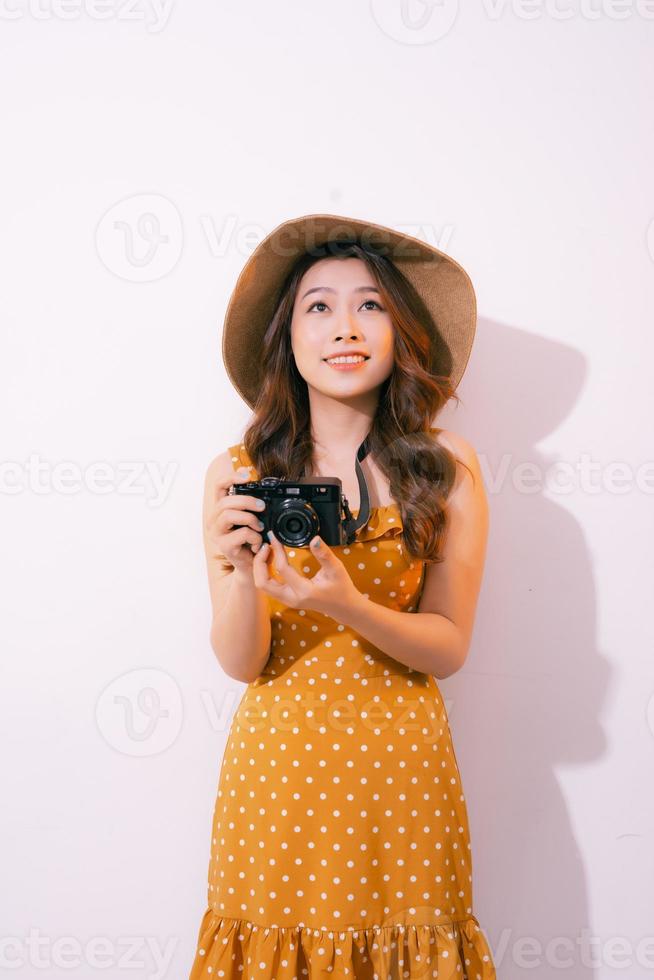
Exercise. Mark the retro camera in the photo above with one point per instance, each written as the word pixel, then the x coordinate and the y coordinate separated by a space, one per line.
pixel 297 510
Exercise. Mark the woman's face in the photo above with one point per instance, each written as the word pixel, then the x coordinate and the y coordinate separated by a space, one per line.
pixel 338 308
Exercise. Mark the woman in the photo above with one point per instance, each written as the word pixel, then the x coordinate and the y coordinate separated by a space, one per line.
pixel 340 842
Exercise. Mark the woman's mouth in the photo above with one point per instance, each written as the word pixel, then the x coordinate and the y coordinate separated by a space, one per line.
pixel 346 363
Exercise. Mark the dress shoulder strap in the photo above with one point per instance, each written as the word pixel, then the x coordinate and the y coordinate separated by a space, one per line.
pixel 240 458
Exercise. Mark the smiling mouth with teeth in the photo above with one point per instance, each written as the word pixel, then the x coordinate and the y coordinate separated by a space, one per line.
pixel 345 362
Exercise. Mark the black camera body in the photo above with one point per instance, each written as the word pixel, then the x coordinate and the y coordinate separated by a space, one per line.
pixel 297 510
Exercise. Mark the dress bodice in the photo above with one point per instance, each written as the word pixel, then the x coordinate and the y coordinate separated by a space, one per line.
pixel 304 640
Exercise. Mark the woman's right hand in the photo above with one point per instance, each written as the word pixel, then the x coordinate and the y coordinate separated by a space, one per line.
pixel 237 545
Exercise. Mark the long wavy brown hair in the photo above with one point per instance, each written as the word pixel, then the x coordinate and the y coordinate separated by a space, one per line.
pixel 421 472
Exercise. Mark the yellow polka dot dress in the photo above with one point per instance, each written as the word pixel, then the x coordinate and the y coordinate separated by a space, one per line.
pixel 340 843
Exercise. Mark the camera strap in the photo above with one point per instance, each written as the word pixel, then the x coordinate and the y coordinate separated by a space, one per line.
pixel 352 524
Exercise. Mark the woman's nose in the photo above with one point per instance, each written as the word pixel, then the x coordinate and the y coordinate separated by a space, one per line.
pixel 348 330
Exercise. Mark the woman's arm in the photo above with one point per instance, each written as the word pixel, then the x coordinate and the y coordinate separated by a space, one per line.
pixel 240 632
pixel 436 638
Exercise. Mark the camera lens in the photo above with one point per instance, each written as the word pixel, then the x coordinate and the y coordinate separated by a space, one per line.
pixel 297 522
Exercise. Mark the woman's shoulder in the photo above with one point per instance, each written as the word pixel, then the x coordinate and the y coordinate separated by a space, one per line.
pixel 457 444
pixel 464 452
pixel 226 462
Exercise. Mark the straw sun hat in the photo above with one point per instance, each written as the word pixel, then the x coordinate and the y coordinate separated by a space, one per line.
pixel 441 283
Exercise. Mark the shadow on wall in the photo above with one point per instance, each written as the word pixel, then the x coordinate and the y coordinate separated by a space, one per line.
pixel 530 695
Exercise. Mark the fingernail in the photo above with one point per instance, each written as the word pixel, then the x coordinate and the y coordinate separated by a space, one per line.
pixel 270 535
pixel 316 543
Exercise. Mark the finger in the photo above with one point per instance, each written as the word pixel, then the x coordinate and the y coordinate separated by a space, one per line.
pixel 237 517
pixel 322 552
pixel 241 475
pixel 319 547
pixel 263 579
pixel 241 536
pixel 259 567
pixel 242 501
pixel 289 575
pixel 281 561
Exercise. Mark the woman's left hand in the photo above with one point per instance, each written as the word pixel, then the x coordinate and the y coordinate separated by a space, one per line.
pixel 330 591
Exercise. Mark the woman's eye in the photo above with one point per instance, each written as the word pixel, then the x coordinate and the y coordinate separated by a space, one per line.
pixel 367 302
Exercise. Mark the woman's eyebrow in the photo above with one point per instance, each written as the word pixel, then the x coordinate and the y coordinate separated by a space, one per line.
pixel 359 289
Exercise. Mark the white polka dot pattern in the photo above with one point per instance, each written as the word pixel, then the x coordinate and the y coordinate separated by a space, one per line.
pixel 340 839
